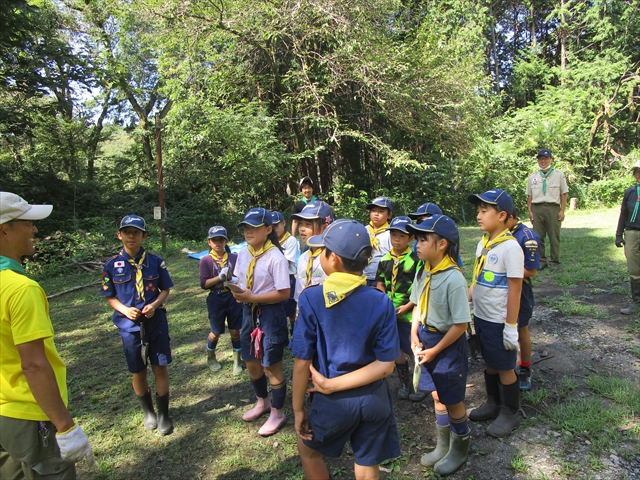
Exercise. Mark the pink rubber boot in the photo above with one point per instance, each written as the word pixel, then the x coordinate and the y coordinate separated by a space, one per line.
pixel 262 406
pixel 276 420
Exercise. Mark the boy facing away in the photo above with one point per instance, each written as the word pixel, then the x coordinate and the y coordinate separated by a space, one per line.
pixel 496 287
pixel 347 339
pixel 136 283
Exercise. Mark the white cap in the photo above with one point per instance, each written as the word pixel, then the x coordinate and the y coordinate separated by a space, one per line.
pixel 13 207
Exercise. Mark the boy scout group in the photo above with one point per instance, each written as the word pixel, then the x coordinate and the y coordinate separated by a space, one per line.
pixel 393 288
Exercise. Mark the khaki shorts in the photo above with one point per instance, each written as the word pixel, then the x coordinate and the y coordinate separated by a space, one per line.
pixel 24 455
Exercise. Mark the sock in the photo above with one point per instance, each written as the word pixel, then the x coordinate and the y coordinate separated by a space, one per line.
pixel 278 394
pixel 260 386
pixel 211 344
pixel 442 418
pixel 526 365
pixel 235 344
pixel 459 426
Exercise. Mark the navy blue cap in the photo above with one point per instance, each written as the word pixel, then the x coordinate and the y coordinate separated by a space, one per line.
pixel 545 153
pixel 305 181
pixel 257 217
pixel 440 224
pixel 315 209
pixel 494 197
pixel 276 217
pixel 400 223
pixel 383 202
pixel 217 231
pixel 425 209
pixel 346 238
pixel 133 221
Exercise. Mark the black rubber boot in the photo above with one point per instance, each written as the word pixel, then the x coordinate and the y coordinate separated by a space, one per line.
pixel 165 425
pixel 457 455
pixel 403 376
pixel 442 447
pixel 490 409
pixel 150 421
pixel 635 298
pixel 509 418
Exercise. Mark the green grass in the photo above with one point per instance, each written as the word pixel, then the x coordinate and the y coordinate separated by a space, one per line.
pixel 519 464
pixel 572 306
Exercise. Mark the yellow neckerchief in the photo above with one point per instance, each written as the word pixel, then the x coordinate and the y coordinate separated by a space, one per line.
pixel 396 267
pixel 254 258
pixel 284 238
pixel 374 232
pixel 445 264
pixel 339 285
pixel 486 246
pixel 312 257
pixel 138 267
pixel 222 262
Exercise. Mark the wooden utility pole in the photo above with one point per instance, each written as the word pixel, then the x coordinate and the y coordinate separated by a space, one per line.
pixel 160 182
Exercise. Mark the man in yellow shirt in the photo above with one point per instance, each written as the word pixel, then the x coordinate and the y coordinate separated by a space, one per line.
pixel 38 437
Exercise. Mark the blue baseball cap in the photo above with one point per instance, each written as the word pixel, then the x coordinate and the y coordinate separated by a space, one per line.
pixel 133 221
pixel 217 231
pixel 494 197
pixel 346 238
pixel 276 217
pixel 425 209
pixel 400 223
pixel 545 153
pixel 315 209
pixel 257 217
pixel 383 202
pixel 439 224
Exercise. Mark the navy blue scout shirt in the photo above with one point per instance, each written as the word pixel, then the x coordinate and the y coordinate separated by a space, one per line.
pixel 529 242
pixel 351 334
pixel 626 211
pixel 119 280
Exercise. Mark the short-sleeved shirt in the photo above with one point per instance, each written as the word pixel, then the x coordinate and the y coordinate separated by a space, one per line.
pixel 529 242
pixel 210 269
pixel 629 201
pixel 384 239
pixel 490 292
pixel 317 274
pixel 24 317
pixel 291 249
pixel 448 293
pixel 407 267
pixel 119 280
pixel 271 271
pixel 350 335
pixel 556 187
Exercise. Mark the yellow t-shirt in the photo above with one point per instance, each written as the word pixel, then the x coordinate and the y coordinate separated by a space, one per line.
pixel 24 317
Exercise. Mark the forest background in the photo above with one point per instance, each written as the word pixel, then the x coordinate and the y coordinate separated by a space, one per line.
pixel 416 100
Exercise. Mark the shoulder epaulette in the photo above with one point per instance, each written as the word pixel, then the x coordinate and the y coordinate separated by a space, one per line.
pixel 111 259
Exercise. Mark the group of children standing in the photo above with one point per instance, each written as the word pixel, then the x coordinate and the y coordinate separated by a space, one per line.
pixel 357 302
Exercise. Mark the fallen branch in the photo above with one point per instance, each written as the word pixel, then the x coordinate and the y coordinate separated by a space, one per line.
pixel 73 289
pixel 542 359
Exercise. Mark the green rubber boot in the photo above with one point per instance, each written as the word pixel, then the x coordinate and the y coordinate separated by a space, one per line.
pixel 212 362
pixel 442 447
pixel 490 409
pixel 237 363
pixel 457 455
pixel 635 298
pixel 509 418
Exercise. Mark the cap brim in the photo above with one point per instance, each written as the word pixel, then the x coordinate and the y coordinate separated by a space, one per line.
pixel 36 212
pixel 413 229
pixel 300 216
pixel 218 236
pixel 316 241
pixel 244 222
pixel 131 226
pixel 403 230
pixel 476 199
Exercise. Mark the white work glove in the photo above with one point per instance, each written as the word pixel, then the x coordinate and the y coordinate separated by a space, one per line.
pixel 74 446
pixel 510 336
pixel 224 274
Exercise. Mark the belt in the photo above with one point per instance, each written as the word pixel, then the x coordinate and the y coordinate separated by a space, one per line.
pixel 546 203
pixel 429 328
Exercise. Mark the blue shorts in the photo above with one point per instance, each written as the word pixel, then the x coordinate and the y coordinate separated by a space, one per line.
pixel 363 415
pixel 492 346
pixel 404 333
pixel 450 367
pixel 159 349
pixel 524 315
pixel 274 324
pixel 222 306
pixel 290 305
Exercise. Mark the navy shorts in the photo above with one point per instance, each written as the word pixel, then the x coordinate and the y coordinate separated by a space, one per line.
pixel 450 367
pixel 525 313
pixel 223 306
pixel 159 349
pixel 492 346
pixel 290 305
pixel 363 415
pixel 274 324
pixel 404 333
